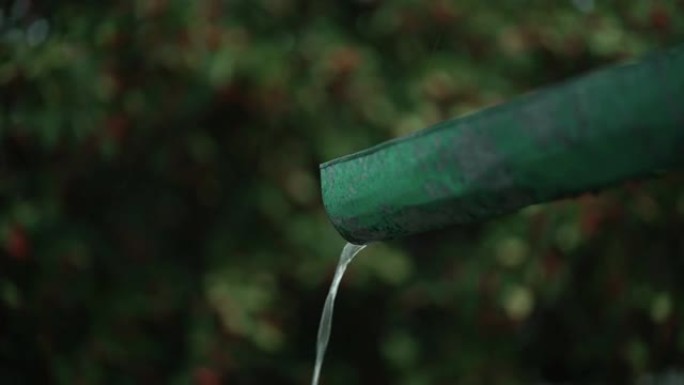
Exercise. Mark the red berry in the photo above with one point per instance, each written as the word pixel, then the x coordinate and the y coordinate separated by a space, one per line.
pixel 17 244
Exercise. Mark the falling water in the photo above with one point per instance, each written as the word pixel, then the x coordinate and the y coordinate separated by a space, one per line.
pixel 348 253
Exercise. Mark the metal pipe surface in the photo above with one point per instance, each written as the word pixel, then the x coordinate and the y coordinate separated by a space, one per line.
pixel 611 125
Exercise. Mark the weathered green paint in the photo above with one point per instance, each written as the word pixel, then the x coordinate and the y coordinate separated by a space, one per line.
pixel 619 123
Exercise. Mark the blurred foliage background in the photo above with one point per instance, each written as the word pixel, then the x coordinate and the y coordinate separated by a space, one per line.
pixel 160 218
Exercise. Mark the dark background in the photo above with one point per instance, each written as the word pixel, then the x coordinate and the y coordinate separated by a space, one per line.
pixel 160 217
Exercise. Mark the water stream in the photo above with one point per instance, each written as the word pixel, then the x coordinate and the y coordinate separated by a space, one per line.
pixel 348 253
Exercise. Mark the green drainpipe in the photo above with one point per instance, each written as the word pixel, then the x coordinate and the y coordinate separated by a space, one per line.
pixel 615 124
